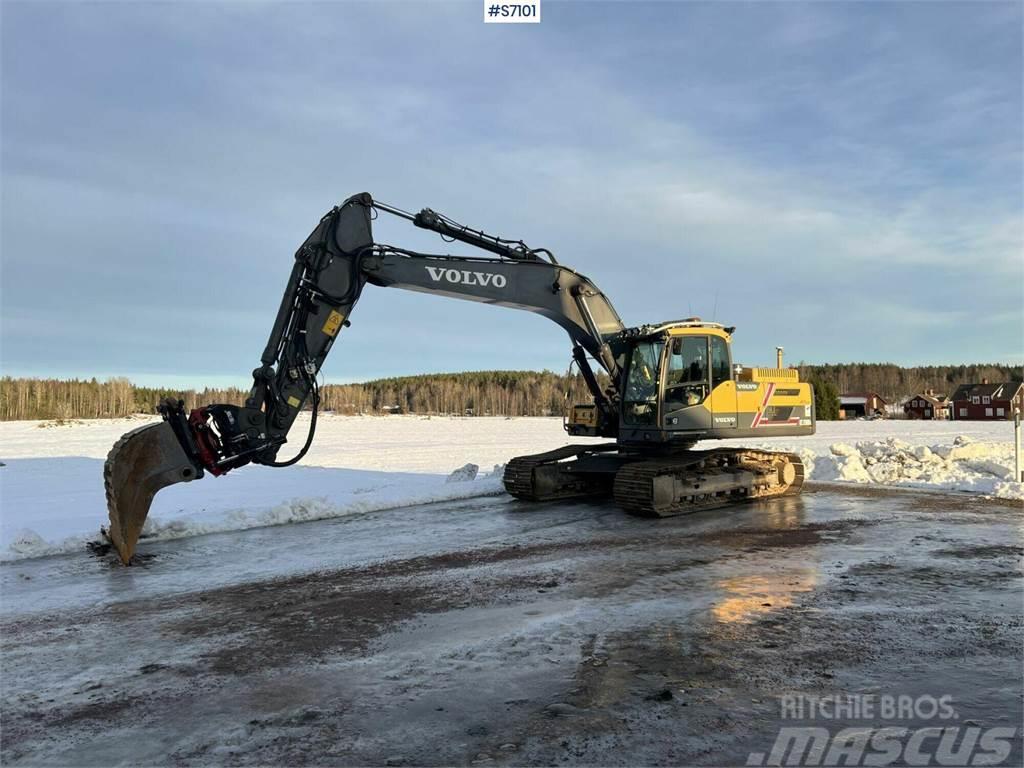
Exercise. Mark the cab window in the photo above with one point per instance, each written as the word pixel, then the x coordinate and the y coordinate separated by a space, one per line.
pixel 721 369
pixel 686 378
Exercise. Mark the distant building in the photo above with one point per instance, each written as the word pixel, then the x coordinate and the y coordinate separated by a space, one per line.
pixel 927 405
pixel 988 401
pixel 861 405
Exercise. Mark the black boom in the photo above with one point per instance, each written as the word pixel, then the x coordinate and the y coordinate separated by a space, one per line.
pixel 331 268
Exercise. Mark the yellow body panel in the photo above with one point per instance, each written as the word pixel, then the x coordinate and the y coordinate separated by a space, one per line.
pixel 722 399
pixel 729 397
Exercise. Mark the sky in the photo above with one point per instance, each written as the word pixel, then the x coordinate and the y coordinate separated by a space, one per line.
pixel 841 179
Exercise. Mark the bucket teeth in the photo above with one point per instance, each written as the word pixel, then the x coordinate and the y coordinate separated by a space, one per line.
pixel 141 463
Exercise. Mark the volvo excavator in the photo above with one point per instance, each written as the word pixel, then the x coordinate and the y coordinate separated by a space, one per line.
pixel 659 388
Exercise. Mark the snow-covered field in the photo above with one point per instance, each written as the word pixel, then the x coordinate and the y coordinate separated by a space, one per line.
pixel 51 487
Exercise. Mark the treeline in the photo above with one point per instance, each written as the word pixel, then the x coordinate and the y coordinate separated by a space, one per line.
pixel 480 393
pixel 496 393
pixel 896 383
pixel 92 399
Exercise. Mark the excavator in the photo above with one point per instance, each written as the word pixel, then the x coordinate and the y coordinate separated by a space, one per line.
pixel 659 388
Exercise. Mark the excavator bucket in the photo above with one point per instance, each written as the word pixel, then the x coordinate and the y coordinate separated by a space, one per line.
pixel 141 463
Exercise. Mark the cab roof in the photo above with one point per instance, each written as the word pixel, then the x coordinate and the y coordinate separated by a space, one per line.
pixel 688 325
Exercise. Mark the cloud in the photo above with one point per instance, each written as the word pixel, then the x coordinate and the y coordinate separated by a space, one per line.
pixel 769 162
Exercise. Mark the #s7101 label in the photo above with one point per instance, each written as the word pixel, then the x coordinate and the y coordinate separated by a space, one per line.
pixel 522 12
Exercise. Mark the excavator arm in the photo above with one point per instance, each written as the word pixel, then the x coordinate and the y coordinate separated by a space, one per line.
pixel 333 265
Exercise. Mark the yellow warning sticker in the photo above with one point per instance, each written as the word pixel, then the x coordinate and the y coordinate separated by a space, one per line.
pixel 333 323
pixel 294 402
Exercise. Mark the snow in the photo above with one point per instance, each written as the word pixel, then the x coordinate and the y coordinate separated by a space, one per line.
pixel 969 456
pixel 51 487
pixel 981 467
pixel 464 473
pixel 55 505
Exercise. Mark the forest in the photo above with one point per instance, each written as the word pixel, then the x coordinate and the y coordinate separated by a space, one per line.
pixel 498 393
pixel 477 393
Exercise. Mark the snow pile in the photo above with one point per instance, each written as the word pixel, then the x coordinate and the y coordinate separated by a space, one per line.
pixel 964 465
pixel 52 505
pixel 463 473
pixel 340 504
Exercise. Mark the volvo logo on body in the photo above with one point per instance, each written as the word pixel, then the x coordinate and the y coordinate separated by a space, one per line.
pixel 466 277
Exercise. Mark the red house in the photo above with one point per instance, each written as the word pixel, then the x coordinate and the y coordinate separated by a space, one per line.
pixel 927 405
pixel 988 401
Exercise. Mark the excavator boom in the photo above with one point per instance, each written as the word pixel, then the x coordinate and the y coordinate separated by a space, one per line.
pixel 331 269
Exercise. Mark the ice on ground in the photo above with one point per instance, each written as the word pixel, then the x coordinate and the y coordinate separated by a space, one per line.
pixel 51 489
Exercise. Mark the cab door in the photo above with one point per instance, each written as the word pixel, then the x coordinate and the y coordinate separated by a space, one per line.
pixel 723 386
pixel 687 384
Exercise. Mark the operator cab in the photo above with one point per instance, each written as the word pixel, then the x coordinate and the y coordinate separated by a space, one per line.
pixel 676 375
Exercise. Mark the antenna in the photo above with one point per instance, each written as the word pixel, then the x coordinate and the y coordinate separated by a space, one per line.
pixel 714 309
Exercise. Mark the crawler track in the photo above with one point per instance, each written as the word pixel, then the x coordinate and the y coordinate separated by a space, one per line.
pixel 717 478
pixel 549 476
pixel 688 481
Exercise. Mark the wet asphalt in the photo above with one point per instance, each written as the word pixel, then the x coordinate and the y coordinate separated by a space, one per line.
pixel 491 632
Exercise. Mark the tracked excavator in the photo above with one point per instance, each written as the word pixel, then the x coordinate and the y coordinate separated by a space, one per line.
pixel 666 386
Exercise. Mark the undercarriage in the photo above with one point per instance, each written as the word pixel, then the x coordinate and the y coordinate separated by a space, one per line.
pixel 655 486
